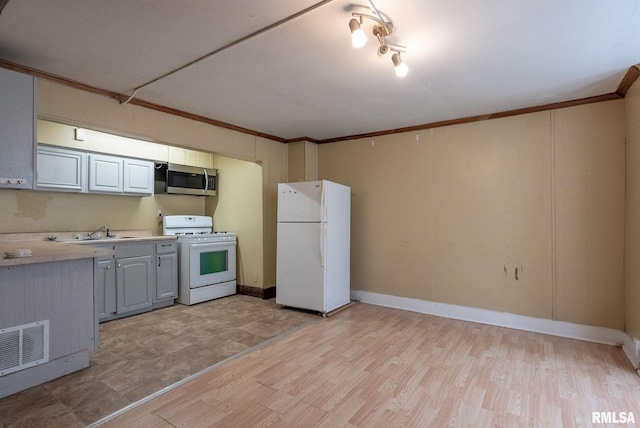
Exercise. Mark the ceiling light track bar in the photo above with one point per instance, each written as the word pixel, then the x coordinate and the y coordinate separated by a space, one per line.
pixel 229 45
pixel 375 9
pixel 371 17
pixel 384 30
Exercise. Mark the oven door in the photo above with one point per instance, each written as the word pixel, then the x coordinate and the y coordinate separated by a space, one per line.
pixel 211 263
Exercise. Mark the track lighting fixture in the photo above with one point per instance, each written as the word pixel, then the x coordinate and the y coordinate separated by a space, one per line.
pixel 401 67
pixel 381 30
pixel 358 38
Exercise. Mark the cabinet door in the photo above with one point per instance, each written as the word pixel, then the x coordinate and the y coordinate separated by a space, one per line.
pixel 61 169
pixel 105 287
pixel 134 280
pixel 166 276
pixel 105 173
pixel 17 129
pixel 138 176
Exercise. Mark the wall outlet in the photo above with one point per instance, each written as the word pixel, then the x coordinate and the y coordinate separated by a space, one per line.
pixel 10 181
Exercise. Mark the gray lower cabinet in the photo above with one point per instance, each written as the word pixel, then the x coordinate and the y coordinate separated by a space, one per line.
pixel 166 271
pixel 133 283
pixel 105 287
pixel 135 277
pixel 138 278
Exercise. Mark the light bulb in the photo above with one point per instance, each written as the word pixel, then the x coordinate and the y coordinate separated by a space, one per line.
pixel 401 67
pixel 358 38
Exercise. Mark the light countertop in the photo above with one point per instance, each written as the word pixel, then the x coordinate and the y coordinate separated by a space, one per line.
pixel 66 247
pixel 43 252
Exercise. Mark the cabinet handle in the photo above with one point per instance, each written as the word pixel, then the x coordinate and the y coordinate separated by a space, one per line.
pixel 108 267
pixel 119 265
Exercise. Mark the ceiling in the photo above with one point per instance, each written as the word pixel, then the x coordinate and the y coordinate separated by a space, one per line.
pixel 303 78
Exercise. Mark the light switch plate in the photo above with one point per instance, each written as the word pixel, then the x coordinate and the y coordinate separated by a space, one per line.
pixel 79 134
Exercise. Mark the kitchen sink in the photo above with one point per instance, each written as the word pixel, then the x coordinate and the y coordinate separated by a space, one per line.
pixel 92 239
pixel 81 239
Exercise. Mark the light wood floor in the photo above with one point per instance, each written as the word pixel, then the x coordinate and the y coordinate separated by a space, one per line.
pixel 372 366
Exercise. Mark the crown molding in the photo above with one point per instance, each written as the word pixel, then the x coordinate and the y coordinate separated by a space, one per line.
pixel 627 81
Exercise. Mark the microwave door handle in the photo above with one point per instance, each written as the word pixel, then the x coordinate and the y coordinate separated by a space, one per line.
pixel 206 180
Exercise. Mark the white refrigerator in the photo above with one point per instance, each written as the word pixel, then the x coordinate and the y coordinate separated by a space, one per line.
pixel 314 245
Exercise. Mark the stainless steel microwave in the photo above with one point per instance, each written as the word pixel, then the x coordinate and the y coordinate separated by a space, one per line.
pixel 185 180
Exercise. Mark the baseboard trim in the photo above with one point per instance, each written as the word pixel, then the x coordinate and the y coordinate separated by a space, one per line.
pixel 602 335
pixel 263 293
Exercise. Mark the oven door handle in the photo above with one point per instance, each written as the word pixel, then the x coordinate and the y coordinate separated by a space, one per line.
pixel 213 245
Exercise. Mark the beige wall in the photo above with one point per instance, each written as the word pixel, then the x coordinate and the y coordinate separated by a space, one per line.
pixel 41 211
pixel 296 161
pixel 59 134
pixel 632 248
pixel 274 160
pixel 50 211
pixel 239 199
pixel 589 178
pixel 303 161
pixel 445 215
pixel 449 214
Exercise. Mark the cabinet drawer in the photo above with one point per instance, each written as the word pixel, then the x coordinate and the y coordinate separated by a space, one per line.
pixel 166 247
pixel 134 250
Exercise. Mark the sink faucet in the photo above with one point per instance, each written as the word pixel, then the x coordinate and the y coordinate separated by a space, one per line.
pixel 105 228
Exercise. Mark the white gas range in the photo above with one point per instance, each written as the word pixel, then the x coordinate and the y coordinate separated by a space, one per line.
pixel 207 259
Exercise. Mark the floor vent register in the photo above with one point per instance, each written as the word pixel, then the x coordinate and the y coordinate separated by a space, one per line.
pixel 23 346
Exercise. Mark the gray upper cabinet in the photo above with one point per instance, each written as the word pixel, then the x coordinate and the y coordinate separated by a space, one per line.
pixel 138 177
pixel 61 169
pixel 105 173
pixel 17 129
pixel 112 174
pixel 78 171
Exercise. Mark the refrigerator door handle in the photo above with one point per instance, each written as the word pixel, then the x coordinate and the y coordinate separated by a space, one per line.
pixel 323 203
pixel 323 238
pixel 323 219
